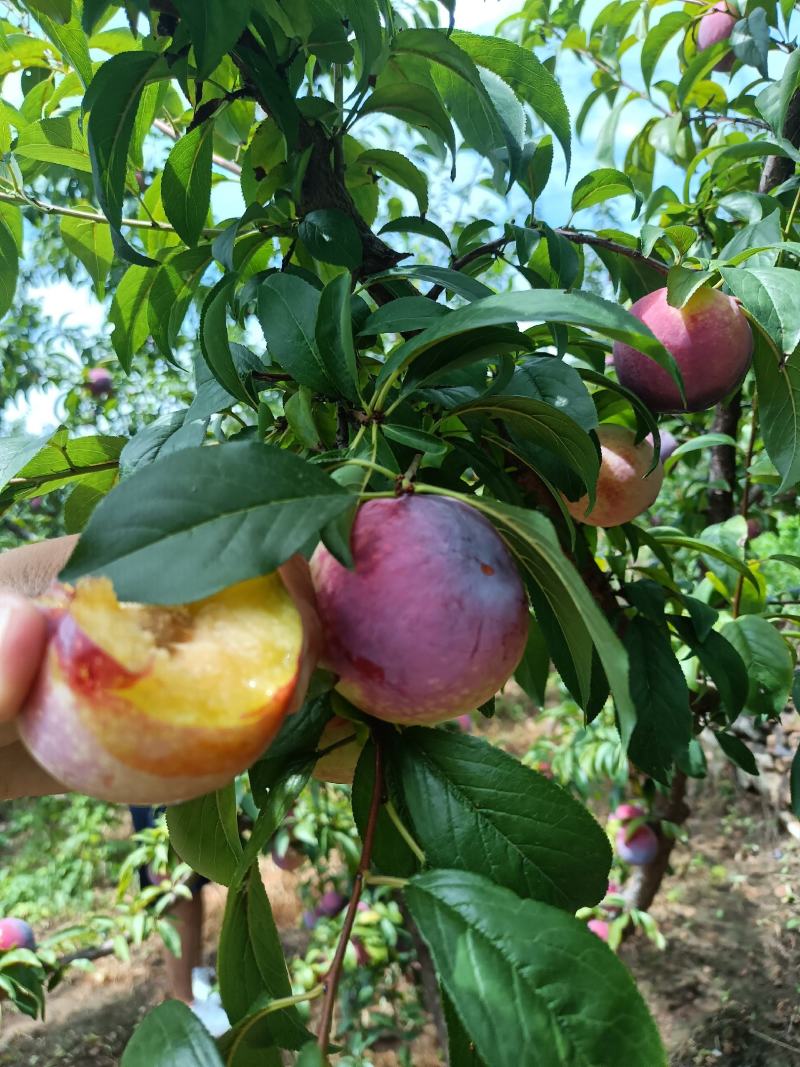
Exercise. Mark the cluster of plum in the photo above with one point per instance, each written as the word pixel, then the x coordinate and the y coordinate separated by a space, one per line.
pixel 143 704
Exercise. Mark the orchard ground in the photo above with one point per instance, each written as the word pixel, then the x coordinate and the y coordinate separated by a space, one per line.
pixel 724 911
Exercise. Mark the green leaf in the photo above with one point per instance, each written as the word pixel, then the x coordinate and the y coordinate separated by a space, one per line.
pixel 779 402
pixel 58 10
pixel 113 101
pixel 750 38
pixel 205 834
pixel 129 313
pixel 658 38
pixel 534 667
pixel 534 542
pixel 171 1035
pixel 272 86
pixel 68 36
pixel 601 185
pixel 658 687
pixel 424 227
pixel 250 963
pixel 475 808
pixel 415 104
pixel 365 22
pixel 411 437
pixel 397 168
pixel 175 285
pixel 332 237
pixel 721 662
pixel 215 343
pixel 186 182
pixel 545 426
pixel 523 975
pixel 773 102
pixel 334 336
pixel 90 242
pixel 9 263
pixel 205 518
pixel 294 746
pixel 93 11
pixel 577 309
pixel 402 315
pixel 85 497
pixel 214 28
pixel 311 1055
pixel 56 140
pixel 701 443
pixel 769 663
pixel 527 76
pixel 391 853
pixel 288 310
pixel 170 433
pixel 452 281
pixel 16 452
pixel 771 295
pixel 737 751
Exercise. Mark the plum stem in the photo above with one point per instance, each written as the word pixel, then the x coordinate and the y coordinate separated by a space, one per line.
pixel 334 975
pixel 402 829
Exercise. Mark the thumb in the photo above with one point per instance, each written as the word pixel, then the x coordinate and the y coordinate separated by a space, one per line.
pixel 23 630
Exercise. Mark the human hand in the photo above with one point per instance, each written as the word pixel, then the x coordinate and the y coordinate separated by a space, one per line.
pixel 24 573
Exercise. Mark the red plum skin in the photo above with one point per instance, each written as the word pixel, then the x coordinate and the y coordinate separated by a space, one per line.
pixel 637 848
pixel 15 933
pixel 432 621
pixel 710 340
pixel 716 26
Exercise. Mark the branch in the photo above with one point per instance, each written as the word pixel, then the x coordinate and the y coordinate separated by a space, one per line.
pixel 595 241
pixel 90 216
pixel 489 249
pixel 335 972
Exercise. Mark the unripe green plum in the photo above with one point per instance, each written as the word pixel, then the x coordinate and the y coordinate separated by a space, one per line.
pixel 710 340
pixel 624 488
pixel 432 620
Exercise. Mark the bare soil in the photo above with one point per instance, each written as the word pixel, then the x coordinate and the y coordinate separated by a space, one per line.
pixel 724 992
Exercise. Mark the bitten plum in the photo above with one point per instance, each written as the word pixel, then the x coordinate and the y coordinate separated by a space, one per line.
pixel 624 488
pixel 715 26
pixel 433 619
pixel 710 340
pixel 149 705
pixel 637 848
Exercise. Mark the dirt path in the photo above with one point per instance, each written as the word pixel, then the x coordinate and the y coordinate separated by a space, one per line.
pixel 724 992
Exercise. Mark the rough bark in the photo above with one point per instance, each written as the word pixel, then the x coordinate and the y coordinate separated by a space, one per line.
pixel 778 169
pixel 722 468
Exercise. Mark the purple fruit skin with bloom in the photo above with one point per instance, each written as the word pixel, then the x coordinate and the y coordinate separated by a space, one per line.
pixel 99 382
pixel 330 904
pixel 639 848
pixel 16 933
pixel 626 812
pixel 432 621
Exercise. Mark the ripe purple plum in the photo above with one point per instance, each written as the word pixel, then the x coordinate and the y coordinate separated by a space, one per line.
pixel 669 442
pixel 289 860
pixel 628 812
pixel 599 927
pixel 432 620
pixel 624 488
pixel 99 382
pixel 330 904
pixel 340 765
pixel 145 704
pixel 16 933
pixel 637 848
pixel 715 26
pixel 710 340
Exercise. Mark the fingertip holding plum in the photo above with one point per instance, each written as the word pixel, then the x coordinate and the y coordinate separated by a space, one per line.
pixel 149 705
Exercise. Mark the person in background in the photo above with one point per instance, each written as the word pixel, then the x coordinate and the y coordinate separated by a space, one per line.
pixel 26 572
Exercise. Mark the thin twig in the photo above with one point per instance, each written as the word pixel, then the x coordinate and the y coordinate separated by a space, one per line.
pixel 775 1041
pixel 595 241
pixel 335 972
pixel 488 249
pixel 89 216
pixel 737 597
